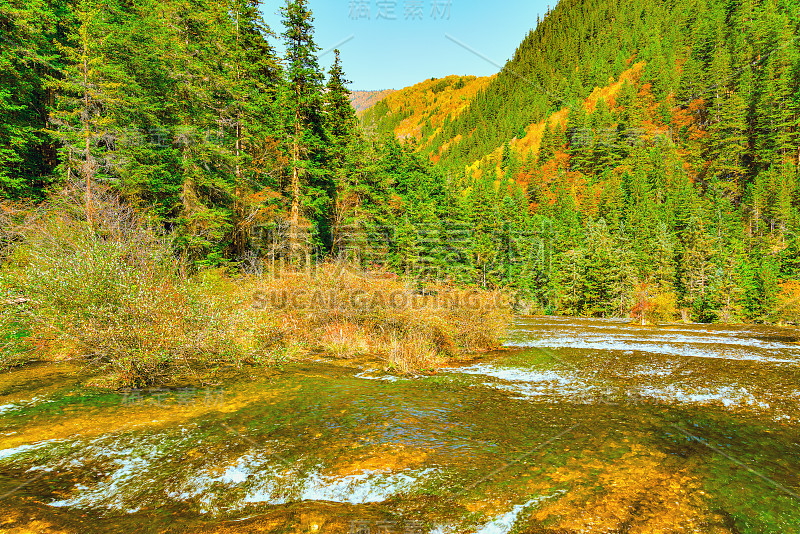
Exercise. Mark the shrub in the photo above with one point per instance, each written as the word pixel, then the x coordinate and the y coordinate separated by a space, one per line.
pixel 115 294
pixel 787 307
pixel 347 312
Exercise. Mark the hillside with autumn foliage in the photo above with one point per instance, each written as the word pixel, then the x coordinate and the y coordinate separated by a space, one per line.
pixel 648 152
pixel 423 110
pixel 363 100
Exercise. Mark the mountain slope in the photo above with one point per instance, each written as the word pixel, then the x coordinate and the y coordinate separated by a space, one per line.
pixel 423 110
pixel 635 157
pixel 721 77
pixel 363 100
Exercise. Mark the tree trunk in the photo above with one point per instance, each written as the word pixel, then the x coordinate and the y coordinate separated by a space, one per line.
pixel 294 219
pixel 87 162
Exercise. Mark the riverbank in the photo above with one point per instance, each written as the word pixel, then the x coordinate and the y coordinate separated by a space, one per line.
pixel 114 295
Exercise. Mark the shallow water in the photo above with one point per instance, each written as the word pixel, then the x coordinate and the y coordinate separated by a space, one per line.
pixel 580 426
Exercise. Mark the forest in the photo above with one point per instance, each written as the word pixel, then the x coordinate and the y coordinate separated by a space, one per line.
pixel 635 158
pixel 238 297
pixel 663 182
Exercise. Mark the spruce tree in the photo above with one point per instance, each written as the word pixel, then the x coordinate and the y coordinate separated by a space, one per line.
pixel 304 120
pixel 27 58
pixel 90 112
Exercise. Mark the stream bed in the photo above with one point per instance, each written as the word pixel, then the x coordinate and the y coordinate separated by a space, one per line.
pixel 577 426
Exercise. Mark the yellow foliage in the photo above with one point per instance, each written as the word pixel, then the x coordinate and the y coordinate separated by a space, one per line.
pixel 427 102
pixel 787 308
pixel 532 139
pixel 664 307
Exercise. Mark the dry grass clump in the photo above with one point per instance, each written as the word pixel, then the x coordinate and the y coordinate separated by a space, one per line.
pixel 113 292
pixel 344 312
pixel 115 295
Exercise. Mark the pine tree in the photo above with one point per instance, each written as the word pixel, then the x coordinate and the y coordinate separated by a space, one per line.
pixel 26 53
pixel 346 150
pixel 698 270
pixel 727 133
pixel 91 108
pixel 341 117
pixel 254 81
pixel 304 119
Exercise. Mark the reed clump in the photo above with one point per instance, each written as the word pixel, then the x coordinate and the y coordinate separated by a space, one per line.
pixel 338 310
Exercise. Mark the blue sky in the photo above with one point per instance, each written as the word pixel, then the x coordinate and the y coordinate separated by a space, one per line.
pixel 391 44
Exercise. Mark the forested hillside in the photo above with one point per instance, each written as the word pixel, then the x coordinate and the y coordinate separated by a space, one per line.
pixel 632 158
pixel 421 111
pixel 656 148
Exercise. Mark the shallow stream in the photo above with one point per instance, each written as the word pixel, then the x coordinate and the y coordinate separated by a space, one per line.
pixel 578 426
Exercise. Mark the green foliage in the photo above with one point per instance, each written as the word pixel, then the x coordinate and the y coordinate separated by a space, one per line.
pixel 683 177
pixel 27 58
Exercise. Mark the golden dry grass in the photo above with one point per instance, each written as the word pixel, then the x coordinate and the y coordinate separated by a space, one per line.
pixel 347 313
pixel 116 295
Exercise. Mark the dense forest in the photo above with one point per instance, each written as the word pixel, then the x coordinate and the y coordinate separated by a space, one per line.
pixel 646 153
pixel 663 178
pixel 184 108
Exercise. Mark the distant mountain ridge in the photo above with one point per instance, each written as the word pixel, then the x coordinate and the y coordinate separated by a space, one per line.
pixel 363 100
pixel 717 80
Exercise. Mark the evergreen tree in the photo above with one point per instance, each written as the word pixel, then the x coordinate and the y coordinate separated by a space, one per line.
pixel 92 108
pixel 27 154
pixel 309 185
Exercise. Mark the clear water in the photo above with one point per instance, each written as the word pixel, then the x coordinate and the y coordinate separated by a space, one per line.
pixel 579 426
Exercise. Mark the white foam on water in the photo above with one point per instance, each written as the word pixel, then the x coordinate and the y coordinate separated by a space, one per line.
pixel 726 395
pixel 131 470
pixel 386 378
pixel 729 340
pixel 514 374
pixel 362 488
pixel 366 487
pixel 239 472
pixel 669 349
pixel 12 406
pixel 501 524
pixel 8 453
pixel 530 383
pixel 110 492
pixel 652 370
pixel 274 484
pixel 504 523
pixel 132 467
pixel 738 337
